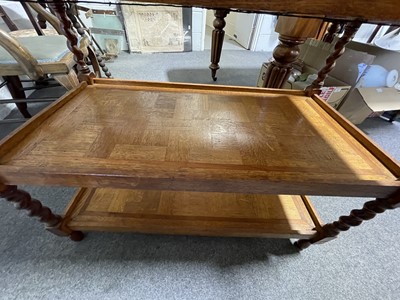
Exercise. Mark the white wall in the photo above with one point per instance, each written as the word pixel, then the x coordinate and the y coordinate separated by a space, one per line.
pixel 16 13
pixel 209 17
pixel 19 17
pixel 198 28
pixel 265 37
pixel 365 32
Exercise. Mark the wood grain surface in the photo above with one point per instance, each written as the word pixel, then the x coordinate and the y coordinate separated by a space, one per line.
pixel 183 137
pixel 210 214
pixel 383 11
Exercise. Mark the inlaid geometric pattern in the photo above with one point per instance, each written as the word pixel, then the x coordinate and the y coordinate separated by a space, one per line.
pixel 196 213
pixel 159 138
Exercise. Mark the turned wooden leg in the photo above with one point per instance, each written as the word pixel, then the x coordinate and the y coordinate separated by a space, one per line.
pixel 217 40
pixel 15 87
pixel 284 54
pixel 293 31
pixel 356 217
pixel 84 73
pixel 349 32
pixel 102 64
pixel 35 209
pixel 94 56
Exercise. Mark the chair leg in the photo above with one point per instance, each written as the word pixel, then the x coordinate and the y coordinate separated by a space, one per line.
pixel 15 87
pixel 69 81
pixel 94 61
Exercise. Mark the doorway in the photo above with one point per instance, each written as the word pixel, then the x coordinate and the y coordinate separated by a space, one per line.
pixel 238 29
pixel 254 32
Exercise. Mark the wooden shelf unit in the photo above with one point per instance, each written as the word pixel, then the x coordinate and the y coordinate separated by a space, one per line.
pixel 167 136
pixel 195 159
pixel 192 213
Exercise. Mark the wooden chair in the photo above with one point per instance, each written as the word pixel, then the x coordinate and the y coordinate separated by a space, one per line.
pixel 44 17
pixel 36 57
pixel 24 52
pixel 36 28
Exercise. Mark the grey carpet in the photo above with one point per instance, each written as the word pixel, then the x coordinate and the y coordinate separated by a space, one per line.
pixel 362 263
pixel 237 68
pixel 33 108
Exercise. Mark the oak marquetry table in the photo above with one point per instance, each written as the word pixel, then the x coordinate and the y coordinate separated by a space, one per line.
pixel 195 159
pixel 199 159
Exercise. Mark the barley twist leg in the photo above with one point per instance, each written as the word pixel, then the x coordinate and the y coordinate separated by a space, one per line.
pixel 355 218
pixel 23 200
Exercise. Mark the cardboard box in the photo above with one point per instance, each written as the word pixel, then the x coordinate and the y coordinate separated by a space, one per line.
pixel 349 67
pixel 334 95
pixel 363 102
pixel 261 76
pixel 342 86
pixel 341 80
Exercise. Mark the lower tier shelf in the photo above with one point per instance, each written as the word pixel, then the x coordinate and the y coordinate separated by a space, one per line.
pixel 192 213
